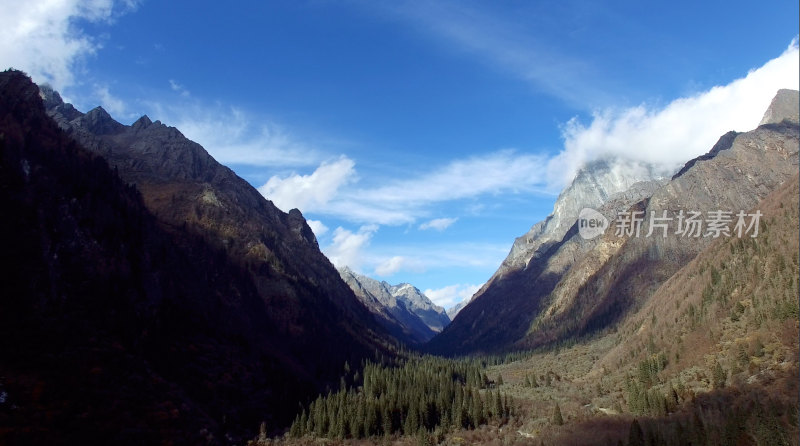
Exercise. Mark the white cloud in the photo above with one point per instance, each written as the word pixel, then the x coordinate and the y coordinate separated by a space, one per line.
pixel 451 295
pixel 347 247
pixel 318 227
pixel 40 36
pixel 233 136
pixel 396 264
pixel 684 129
pixel 404 201
pixel 309 192
pixel 439 224
pixel 502 171
pixel 331 190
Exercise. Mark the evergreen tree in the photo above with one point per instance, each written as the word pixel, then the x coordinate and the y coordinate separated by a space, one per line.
pixel 558 420
pixel 635 434
pixel 719 375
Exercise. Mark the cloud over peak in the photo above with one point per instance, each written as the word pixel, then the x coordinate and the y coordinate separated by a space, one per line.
pixel 685 128
pixel 310 192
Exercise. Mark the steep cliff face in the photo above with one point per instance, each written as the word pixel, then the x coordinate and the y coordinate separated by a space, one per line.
pixel 784 106
pixel 403 309
pixel 574 286
pixel 594 185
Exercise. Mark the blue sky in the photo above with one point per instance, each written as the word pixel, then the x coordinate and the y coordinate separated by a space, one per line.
pixel 419 138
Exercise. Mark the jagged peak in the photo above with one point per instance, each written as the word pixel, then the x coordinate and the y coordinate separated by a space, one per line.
pixel 98 121
pixel 50 97
pixel 142 123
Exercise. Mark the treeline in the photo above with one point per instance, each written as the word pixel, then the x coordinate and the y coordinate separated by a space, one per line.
pixel 723 419
pixel 419 396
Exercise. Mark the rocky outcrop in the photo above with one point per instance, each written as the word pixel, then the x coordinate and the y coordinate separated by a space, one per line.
pixel 784 106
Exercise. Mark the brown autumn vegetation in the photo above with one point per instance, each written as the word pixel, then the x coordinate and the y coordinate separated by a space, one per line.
pixel 710 359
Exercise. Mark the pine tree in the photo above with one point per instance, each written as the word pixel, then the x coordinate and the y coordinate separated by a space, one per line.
pixel 635 434
pixel 558 420
pixel 719 376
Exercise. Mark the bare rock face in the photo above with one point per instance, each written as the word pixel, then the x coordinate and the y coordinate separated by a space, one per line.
pixel 593 186
pixel 784 106
pixel 571 286
pixel 403 309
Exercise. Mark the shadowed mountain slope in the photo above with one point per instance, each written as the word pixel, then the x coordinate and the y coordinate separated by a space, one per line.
pixel 186 313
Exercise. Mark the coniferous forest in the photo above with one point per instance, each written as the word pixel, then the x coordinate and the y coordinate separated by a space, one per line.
pixel 414 396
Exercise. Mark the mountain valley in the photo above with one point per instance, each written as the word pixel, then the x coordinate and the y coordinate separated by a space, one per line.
pixel 152 296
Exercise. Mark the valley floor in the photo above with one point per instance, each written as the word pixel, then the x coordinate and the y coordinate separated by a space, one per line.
pixel 711 358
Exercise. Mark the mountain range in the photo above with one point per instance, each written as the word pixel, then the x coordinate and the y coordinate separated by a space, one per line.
pixel 154 296
pixel 556 285
pixel 403 309
pixel 150 295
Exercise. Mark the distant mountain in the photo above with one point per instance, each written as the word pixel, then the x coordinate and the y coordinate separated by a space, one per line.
pixel 554 287
pixel 404 310
pixel 154 296
pixel 453 312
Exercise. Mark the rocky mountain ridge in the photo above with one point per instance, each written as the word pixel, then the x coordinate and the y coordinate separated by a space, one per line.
pixel 404 309
pixel 572 286
pixel 169 296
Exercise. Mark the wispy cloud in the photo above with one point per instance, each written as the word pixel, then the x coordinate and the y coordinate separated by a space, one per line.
pixel 438 224
pixel 178 88
pixel 39 36
pixel 503 44
pixel 232 135
pixel 333 189
pixel 395 264
pixel 111 103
